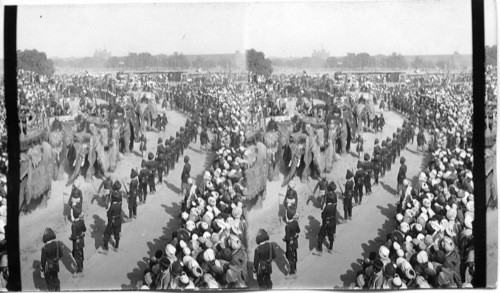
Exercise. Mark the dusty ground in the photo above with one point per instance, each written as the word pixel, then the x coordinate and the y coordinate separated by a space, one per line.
pixel 354 240
pixel 140 238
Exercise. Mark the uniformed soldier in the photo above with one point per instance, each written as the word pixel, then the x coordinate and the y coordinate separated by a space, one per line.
pixel 178 146
pixel 174 156
pixel 376 167
pixel 348 195
pixel 78 230
pixel 52 252
pixel 383 158
pixel 262 261
pixel 394 146
pixel 359 177
pixel 204 139
pixel 143 145
pixel 152 167
pixel 114 214
pixel 185 175
pixel 143 182
pixel 75 202
pixel 168 156
pixel 291 239
pixel 328 225
pixel 290 202
pixel 368 168
pixel 401 174
pixel 160 160
pixel 322 184
pixel 133 192
pixel 389 154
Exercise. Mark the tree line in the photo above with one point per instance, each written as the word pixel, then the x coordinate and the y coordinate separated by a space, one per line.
pixel 363 61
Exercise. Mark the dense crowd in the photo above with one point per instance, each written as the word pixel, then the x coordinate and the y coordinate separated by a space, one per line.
pixel 432 246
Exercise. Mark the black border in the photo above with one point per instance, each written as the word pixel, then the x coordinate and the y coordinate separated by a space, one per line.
pixel 478 96
pixel 10 64
pixel 478 57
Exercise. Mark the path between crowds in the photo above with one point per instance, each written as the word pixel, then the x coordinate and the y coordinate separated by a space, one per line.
pixel 370 223
pixel 139 239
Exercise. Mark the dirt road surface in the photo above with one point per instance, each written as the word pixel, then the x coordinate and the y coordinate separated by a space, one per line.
pixel 139 239
pixel 354 239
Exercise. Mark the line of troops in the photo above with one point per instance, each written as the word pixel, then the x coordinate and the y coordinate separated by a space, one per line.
pixel 384 156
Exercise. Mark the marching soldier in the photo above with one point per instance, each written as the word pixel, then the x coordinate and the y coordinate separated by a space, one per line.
pixel 78 230
pixel 291 200
pixel 52 251
pixel 262 261
pixel 151 165
pixel 329 224
pixel 160 160
pixel 368 168
pixel 132 194
pixel 143 145
pixel 376 167
pixel 144 175
pixel 185 175
pixel 388 154
pixel 174 156
pixel 114 214
pixel 204 139
pixel 75 202
pixel 401 174
pixel 178 147
pixel 395 146
pixel 168 156
pixel 383 158
pixel 322 184
pixel 359 177
pixel 348 195
pixel 291 239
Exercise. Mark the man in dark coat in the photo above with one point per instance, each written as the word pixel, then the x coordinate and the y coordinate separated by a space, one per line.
pixel 160 160
pixel 78 230
pixel 204 139
pixel 52 251
pixel 359 178
pixel 143 182
pixel 114 214
pixel 322 185
pixel 168 156
pixel 262 260
pixel 328 225
pixel 185 175
pixel 348 195
pixel 152 167
pixel 401 174
pixel 368 168
pixel 132 194
pixel 291 239
pixel 75 202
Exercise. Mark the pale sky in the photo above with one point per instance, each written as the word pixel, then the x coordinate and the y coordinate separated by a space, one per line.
pixel 277 29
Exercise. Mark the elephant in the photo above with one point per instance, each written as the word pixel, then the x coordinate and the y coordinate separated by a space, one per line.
pixel 36 167
pixel 94 150
pixel 60 138
pixel 310 153
pixel 276 139
pixel 255 176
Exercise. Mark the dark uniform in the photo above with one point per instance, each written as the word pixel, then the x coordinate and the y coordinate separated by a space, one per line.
pixel 359 178
pixel 389 154
pixel 168 154
pixel 290 202
pixel 368 168
pixel 75 201
pixel 160 160
pixel 52 251
pixel 376 167
pixel 114 214
pixel 263 257
pixel 185 175
pixel 401 174
pixel 203 138
pixel 383 158
pixel 329 223
pixel 106 184
pixel 143 182
pixel 133 192
pixel 173 153
pixel 178 146
pixel 78 230
pixel 143 144
pixel 348 195
pixel 322 185
pixel 152 167
pixel 291 239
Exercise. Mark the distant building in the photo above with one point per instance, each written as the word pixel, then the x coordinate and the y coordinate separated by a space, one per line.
pixel 102 54
pixel 320 54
